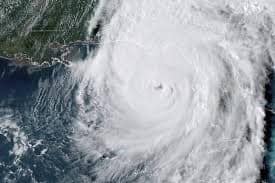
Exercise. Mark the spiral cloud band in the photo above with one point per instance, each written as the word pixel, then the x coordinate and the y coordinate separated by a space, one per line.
pixel 175 92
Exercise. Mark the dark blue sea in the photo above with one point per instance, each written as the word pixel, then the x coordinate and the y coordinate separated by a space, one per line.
pixel 36 112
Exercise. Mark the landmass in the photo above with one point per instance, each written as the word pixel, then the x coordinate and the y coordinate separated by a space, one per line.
pixel 39 31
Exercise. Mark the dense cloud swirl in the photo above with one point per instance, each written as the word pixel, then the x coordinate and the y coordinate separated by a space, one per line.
pixel 175 93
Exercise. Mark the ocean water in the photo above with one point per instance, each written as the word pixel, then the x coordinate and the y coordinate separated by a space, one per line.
pixel 35 120
pixel 174 92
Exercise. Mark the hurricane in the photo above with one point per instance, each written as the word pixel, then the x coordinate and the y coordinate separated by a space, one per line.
pixel 175 92
pixel 154 91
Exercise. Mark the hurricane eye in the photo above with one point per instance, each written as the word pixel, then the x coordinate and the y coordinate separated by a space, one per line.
pixel 158 87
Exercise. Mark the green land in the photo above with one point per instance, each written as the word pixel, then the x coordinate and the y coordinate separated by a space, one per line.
pixel 38 30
